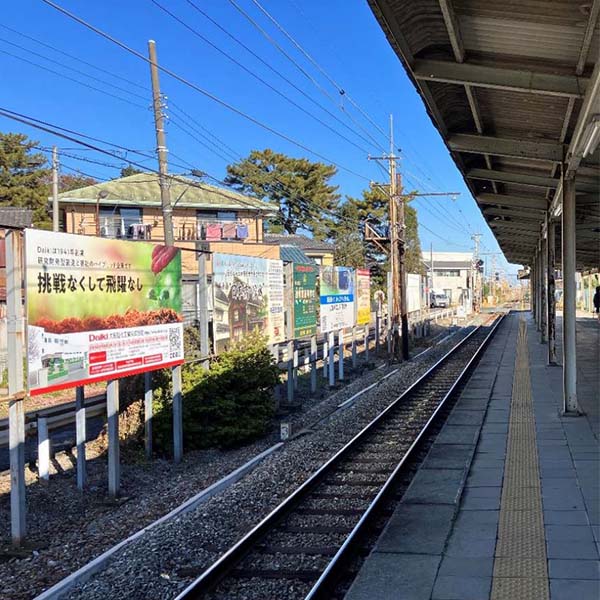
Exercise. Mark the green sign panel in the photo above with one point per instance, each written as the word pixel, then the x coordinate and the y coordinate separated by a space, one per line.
pixel 305 299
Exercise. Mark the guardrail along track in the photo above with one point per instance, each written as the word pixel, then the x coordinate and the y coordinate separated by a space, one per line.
pixel 299 550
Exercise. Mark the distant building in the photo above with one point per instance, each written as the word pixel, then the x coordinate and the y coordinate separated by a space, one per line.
pixel 452 274
pixel 320 252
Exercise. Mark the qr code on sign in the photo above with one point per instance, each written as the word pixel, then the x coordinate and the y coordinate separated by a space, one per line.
pixel 175 342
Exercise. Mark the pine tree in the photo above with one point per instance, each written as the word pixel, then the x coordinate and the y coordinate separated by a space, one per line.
pixel 22 177
pixel 299 188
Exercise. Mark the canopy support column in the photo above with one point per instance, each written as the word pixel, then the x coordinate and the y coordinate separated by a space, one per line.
pixel 569 298
pixel 551 264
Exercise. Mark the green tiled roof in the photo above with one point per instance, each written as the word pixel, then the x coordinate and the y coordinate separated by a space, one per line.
pixel 294 254
pixel 143 190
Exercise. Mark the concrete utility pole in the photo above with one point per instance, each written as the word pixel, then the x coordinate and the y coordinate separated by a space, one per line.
pixel 401 203
pixel 430 273
pixel 161 147
pixel 55 213
pixel 476 237
pixel 493 279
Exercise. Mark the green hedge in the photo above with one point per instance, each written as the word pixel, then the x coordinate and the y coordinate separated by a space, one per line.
pixel 229 405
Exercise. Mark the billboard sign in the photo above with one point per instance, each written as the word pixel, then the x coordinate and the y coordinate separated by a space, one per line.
pixel 336 298
pixel 99 308
pixel 305 299
pixel 248 296
pixel 363 296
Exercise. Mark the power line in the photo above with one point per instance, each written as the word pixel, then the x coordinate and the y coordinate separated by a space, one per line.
pixel 50 128
pixel 82 83
pixel 194 123
pixel 442 238
pixel 299 67
pixel 75 58
pixel 197 139
pixel 201 90
pixel 78 71
pixel 70 56
pixel 257 77
pixel 276 72
pixel 338 87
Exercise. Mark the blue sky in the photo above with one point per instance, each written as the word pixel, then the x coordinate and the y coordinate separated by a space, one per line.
pixel 343 37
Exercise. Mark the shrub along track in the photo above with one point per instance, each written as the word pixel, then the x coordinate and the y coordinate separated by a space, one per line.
pixel 303 547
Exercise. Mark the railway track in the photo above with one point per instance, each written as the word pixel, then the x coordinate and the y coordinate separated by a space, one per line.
pixel 304 546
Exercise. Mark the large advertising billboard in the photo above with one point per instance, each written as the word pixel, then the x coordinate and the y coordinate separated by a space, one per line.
pixel 336 298
pixel 363 296
pixel 248 295
pixel 99 308
pixel 305 299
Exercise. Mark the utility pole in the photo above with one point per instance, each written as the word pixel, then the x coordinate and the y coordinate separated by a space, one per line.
pixel 397 202
pixel 493 279
pixel 55 213
pixel 161 147
pixel 394 302
pixel 394 242
pixel 476 279
pixel 430 273
pixel 401 202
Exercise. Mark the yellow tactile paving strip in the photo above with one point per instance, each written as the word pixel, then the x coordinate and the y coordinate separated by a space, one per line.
pixel 520 566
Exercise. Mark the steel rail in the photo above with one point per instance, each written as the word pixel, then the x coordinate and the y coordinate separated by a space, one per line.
pixel 327 580
pixel 213 575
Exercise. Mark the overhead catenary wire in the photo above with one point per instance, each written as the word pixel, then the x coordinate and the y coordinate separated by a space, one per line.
pixel 290 58
pixel 257 77
pixel 338 87
pixel 202 91
pixel 277 72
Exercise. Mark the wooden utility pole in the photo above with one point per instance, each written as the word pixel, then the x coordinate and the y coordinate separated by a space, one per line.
pixel 161 147
pixel 55 213
pixel 398 305
pixel 394 301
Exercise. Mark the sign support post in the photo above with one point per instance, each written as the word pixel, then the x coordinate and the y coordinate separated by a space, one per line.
pixel 313 364
pixel 16 412
pixel 112 411
pixel 80 436
pixel 148 416
pixel 43 449
pixel 177 415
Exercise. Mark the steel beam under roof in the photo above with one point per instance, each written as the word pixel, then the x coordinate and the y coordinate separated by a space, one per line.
pixel 515 148
pixel 537 203
pixel 500 78
pixel 518 178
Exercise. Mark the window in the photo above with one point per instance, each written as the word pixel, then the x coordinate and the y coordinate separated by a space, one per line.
pixel 119 222
pixel 447 272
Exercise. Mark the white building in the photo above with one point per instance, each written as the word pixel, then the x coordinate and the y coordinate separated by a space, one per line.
pixel 452 274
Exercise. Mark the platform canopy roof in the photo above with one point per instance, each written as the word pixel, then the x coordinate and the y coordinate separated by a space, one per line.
pixel 513 87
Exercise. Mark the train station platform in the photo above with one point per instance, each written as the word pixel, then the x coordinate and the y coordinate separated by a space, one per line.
pixel 506 505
